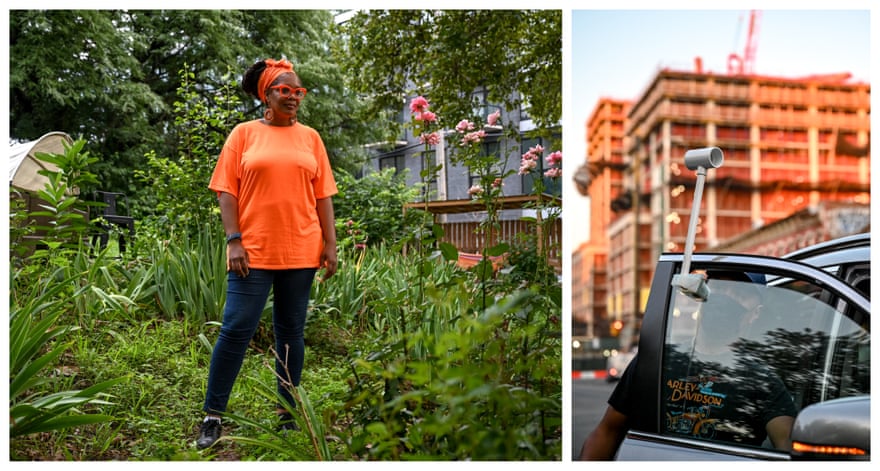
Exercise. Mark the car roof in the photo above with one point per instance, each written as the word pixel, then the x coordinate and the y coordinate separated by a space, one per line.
pixel 850 249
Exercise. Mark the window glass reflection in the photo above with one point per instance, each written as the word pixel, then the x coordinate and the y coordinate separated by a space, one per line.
pixel 751 356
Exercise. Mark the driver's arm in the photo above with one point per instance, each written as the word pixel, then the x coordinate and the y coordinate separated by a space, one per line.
pixel 779 431
pixel 603 442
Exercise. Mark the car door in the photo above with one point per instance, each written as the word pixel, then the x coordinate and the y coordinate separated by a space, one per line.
pixel 717 374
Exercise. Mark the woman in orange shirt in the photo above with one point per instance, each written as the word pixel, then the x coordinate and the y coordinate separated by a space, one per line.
pixel 274 184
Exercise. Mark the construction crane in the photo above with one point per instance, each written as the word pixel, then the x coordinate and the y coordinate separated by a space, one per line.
pixel 745 64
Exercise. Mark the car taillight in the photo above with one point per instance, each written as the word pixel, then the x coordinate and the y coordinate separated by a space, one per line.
pixel 827 450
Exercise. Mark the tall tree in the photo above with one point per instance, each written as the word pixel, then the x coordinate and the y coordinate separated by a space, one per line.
pixel 72 71
pixel 516 55
pixel 111 76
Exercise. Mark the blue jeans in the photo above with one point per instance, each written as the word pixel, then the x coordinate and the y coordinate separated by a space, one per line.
pixel 245 300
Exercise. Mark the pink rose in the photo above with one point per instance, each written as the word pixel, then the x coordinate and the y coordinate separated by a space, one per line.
pixel 527 165
pixel 418 105
pixel 473 137
pixel 493 118
pixel 554 158
pixel 431 139
pixel 553 173
pixel 464 125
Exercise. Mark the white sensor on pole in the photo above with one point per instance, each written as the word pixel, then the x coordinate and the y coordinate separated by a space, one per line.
pixel 694 285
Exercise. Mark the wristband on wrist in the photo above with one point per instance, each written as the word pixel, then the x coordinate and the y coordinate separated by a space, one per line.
pixel 233 236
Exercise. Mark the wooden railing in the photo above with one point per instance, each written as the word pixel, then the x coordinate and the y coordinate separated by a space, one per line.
pixel 466 238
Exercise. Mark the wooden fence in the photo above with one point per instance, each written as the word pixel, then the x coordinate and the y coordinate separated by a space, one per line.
pixel 466 238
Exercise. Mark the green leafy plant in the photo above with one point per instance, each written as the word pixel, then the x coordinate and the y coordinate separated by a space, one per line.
pixel 373 203
pixel 35 344
pixel 189 275
pixel 179 201
pixel 461 401
pixel 61 220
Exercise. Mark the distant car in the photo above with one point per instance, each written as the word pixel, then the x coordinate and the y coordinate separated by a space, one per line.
pixel 617 362
pixel 805 334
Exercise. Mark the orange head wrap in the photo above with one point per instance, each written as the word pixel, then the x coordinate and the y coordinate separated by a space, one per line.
pixel 270 73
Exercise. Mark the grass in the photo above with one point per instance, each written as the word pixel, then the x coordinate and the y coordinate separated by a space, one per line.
pixel 450 382
pixel 158 407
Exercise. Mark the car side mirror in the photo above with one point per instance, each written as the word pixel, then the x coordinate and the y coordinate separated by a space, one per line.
pixel 839 429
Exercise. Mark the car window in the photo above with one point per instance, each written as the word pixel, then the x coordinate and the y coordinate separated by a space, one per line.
pixel 752 352
pixel 859 277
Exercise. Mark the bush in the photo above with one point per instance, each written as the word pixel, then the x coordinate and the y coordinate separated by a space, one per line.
pixel 35 404
pixel 374 203
pixel 435 377
pixel 179 201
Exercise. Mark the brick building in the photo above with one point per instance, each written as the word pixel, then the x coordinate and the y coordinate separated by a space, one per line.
pixel 792 147
pixel 602 179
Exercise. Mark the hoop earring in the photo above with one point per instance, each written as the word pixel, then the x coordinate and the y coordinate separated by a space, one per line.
pixel 268 115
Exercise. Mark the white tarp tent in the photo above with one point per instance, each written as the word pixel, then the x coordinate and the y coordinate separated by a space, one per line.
pixel 24 165
pixel 25 181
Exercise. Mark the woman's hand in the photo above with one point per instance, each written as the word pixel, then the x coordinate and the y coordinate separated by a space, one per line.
pixel 237 259
pixel 329 260
pixel 328 228
pixel 236 256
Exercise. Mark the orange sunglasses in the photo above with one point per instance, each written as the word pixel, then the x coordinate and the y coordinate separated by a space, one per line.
pixel 286 91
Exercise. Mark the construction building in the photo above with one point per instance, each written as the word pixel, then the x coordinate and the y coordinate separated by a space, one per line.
pixel 795 149
pixel 602 179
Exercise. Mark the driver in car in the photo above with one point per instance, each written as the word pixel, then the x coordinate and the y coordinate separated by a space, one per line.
pixel 709 391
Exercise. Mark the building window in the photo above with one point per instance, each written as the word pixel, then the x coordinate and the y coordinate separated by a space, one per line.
pixel 484 107
pixel 429 161
pixel 491 148
pixel 524 107
pixel 487 149
pixel 552 186
pixel 429 164
pixel 392 161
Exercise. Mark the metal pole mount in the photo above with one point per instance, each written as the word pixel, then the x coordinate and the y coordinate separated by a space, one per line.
pixel 692 284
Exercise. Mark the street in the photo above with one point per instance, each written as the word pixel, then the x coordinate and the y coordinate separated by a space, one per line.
pixel 588 403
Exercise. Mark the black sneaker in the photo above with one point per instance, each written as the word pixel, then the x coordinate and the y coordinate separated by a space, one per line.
pixel 209 432
pixel 286 423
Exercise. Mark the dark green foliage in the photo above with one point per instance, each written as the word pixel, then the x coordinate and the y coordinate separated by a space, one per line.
pixel 448 54
pixel 179 201
pixel 486 388
pixel 73 71
pixel 375 202
pixel 112 77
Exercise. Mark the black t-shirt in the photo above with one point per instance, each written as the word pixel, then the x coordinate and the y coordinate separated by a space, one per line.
pixel 623 399
pixel 707 402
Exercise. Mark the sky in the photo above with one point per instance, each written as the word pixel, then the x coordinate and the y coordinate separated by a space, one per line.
pixel 616 53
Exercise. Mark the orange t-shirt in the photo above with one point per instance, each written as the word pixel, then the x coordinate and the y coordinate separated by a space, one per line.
pixel 277 173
